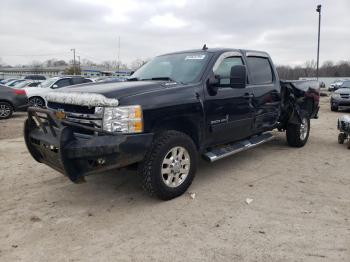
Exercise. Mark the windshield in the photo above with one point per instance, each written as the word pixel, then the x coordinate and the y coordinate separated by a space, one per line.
pixel 47 83
pixel 15 82
pixel 182 68
pixel 345 84
pixel 21 85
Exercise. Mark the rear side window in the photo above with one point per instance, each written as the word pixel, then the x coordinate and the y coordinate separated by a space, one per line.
pixel 34 84
pixel 76 80
pixel 260 70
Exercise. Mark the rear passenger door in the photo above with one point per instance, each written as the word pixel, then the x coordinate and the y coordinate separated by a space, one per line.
pixel 265 86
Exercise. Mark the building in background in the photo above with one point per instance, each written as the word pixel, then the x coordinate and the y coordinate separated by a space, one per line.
pixel 92 72
pixel 19 72
pixel 100 72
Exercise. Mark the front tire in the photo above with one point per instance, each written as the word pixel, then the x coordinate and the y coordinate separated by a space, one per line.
pixel 334 108
pixel 169 166
pixel 6 110
pixel 36 102
pixel 341 138
pixel 298 134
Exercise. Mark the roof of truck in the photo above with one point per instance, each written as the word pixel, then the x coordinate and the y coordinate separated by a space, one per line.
pixel 220 50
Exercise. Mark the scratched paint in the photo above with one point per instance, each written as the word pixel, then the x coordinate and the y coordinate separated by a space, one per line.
pixel 85 99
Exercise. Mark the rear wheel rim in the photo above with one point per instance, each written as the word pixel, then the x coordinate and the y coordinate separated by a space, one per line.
pixel 175 166
pixel 36 102
pixel 5 110
pixel 304 126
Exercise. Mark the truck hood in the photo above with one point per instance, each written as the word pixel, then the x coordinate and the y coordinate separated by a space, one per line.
pixel 117 90
pixel 342 91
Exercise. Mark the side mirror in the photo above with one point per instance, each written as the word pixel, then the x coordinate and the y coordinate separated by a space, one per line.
pixel 238 76
pixel 54 86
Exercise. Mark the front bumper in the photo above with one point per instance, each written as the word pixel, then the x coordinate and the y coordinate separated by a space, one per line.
pixel 340 102
pixel 52 141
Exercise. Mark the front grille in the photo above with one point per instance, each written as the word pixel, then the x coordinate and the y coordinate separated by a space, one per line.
pixel 81 115
pixel 345 96
pixel 71 108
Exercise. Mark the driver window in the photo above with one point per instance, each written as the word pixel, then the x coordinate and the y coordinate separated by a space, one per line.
pixel 62 83
pixel 224 69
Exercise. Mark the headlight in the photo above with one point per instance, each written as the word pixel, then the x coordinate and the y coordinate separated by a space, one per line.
pixel 336 96
pixel 124 119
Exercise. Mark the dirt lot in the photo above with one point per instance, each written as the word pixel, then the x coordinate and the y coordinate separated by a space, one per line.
pixel 300 209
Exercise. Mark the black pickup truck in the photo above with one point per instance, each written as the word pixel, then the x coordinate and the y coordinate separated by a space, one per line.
pixel 208 102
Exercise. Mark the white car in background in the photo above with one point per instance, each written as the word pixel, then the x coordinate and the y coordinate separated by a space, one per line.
pixel 36 95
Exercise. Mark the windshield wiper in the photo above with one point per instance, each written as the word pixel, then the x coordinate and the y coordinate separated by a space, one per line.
pixel 161 78
pixel 133 79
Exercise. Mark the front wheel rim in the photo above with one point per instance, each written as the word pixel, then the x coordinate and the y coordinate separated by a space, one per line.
pixel 175 166
pixel 36 102
pixel 5 111
pixel 304 126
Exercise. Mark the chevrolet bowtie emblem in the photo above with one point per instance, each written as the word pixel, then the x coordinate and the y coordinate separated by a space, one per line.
pixel 60 115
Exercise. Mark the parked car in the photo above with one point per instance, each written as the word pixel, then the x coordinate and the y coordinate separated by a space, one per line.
pixel 11 100
pixel 35 77
pixel 14 82
pixel 210 102
pixel 335 86
pixel 344 130
pixel 36 95
pixel 340 99
pixel 3 82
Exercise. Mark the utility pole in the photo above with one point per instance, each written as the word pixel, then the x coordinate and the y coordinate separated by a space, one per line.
pixel 73 49
pixel 79 63
pixel 118 52
pixel 318 10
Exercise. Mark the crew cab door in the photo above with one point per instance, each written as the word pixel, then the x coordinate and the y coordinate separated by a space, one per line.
pixel 265 86
pixel 229 114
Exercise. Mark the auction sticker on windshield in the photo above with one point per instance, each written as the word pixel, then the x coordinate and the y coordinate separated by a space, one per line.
pixel 194 57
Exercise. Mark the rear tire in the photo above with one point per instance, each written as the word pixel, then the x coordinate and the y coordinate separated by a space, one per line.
pixel 169 166
pixel 298 134
pixel 6 110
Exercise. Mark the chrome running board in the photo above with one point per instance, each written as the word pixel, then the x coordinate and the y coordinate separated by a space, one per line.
pixel 230 149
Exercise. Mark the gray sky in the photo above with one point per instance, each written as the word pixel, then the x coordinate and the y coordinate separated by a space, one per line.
pixel 287 29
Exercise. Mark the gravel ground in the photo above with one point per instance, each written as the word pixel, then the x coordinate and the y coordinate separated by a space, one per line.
pixel 13 127
pixel 300 209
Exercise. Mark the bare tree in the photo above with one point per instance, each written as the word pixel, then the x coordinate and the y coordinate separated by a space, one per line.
pixel 137 63
pixel 36 66
pixel 328 69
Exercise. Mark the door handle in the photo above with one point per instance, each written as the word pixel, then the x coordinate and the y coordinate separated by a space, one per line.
pixel 248 96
